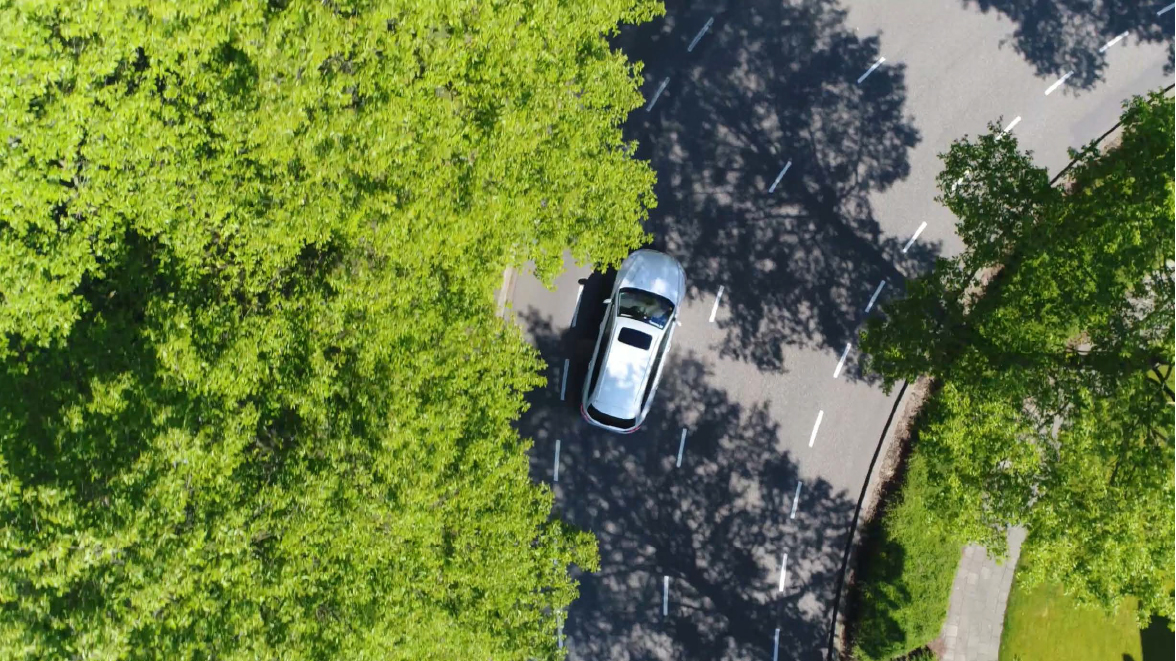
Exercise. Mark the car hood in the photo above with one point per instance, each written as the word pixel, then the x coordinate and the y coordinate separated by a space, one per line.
pixel 653 271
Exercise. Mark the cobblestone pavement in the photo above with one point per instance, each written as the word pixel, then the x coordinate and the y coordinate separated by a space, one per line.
pixel 979 594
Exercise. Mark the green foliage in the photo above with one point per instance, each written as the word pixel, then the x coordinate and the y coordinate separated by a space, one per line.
pixel 1049 416
pixel 910 559
pixel 1043 624
pixel 255 400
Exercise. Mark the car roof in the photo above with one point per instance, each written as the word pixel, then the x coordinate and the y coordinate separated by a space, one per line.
pixel 625 372
pixel 652 271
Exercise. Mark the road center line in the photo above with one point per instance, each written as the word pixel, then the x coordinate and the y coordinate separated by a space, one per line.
pixel 1165 10
pixel 776 645
pixel 563 382
pixel 871 70
pixel 910 243
pixel 1112 42
pixel 1013 123
pixel 576 312
pixel 660 88
pixel 665 595
pixel 795 500
pixel 841 363
pixel 1058 84
pixel 715 309
pixel 813 436
pixel 555 478
pixel 709 22
pixel 783 572
pixel 875 296
pixel 681 447
pixel 779 177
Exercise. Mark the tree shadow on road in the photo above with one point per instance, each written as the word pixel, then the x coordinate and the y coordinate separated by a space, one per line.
pixel 773 83
pixel 1060 36
pixel 717 526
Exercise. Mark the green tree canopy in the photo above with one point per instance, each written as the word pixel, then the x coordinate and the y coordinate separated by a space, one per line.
pixel 255 402
pixel 1049 416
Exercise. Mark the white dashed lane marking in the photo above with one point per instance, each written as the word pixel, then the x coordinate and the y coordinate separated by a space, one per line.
pixel 1112 42
pixel 841 363
pixel 576 312
pixel 795 500
pixel 875 296
pixel 1058 84
pixel 715 309
pixel 780 176
pixel 563 382
pixel 813 436
pixel 871 70
pixel 665 596
pixel 776 645
pixel 660 88
pixel 681 447
pixel 555 476
pixel 783 572
pixel 1165 10
pixel 709 22
pixel 910 243
pixel 1016 120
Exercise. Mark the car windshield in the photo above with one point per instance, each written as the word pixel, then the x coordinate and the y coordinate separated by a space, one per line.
pixel 644 306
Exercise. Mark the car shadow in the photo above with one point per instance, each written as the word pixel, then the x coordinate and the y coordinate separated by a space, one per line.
pixel 770 84
pixel 717 525
pixel 1060 36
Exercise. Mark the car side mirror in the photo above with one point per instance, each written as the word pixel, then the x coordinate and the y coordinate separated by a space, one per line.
pixel 607 301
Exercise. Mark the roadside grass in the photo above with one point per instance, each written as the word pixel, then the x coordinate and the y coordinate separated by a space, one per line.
pixel 1043 624
pixel 904 583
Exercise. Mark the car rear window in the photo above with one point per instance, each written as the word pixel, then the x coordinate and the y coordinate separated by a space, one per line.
pixel 635 338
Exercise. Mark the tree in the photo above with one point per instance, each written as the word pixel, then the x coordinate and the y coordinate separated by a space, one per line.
pixel 256 403
pixel 1048 416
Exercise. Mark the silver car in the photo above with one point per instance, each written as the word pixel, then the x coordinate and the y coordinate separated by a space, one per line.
pixel 633 341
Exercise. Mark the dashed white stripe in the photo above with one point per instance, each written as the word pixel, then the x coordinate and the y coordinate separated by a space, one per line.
pixel 660 88
pixel 910 243
pixel 715 309
pixel 871 70
pixel 783 572
pixel 1112 42
pixel 841 363
pixel 681 447
pixel 576 312
pixel 875 296
pixel 665 595
pixel 1013 123
pixel 560 636
pixel 1165 10
pixel 555 477
pixel 1061 81
pixel 710 21
pixel 780 176
pixel 563 382
pixel 776 645
pixel 795 500
pixel 813 436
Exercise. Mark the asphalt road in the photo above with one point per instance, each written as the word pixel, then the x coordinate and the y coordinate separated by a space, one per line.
pixel 692 555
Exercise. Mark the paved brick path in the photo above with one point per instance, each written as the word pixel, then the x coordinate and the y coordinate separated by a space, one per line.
pixel 975 616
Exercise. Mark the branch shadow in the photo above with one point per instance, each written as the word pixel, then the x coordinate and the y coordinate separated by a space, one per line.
pixel 771 84
pixel 1060 36
pixel 717 525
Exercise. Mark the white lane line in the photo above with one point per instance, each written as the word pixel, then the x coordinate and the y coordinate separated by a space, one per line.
pixel 555 478
pixel 813 436
pixel 1112 42
pixel 783 572
pixel 910 243
pixel 1165 10
pixel 871 70
pixel 716 307
pixel 776 645
pixel 795 500
pixel 1058 84
pixel 681 447
pixel 709 22
pixel 967 173
pixel 875 296
pixel 560 638
pixel 841 363
pixel 665 595
pixel 563 383
pixel 576 312
pixel 660 88
pixel 1013 123
pixel 780 176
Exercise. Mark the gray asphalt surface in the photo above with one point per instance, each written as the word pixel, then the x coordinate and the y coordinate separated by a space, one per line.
pixel 769 83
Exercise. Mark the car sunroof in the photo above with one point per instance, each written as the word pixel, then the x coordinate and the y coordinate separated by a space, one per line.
pixel 634 338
